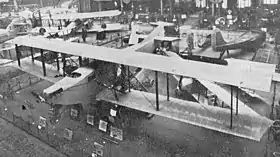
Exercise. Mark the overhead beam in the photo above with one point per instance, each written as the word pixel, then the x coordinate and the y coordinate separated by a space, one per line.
pixel 241 76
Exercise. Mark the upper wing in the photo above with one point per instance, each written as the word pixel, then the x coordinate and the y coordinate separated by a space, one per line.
pixel 85 15
pixel 243 76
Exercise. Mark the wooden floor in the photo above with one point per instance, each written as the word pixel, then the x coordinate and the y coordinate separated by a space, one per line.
pixel 244 125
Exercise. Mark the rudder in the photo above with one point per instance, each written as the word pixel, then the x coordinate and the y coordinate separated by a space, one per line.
pixel 217 39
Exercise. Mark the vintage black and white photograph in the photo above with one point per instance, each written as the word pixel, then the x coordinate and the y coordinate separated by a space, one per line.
pixel 139 78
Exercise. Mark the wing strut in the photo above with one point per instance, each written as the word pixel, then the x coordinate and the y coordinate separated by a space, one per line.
pixel 157 102
pixel 43 62
pixel 18 54
pixel 231 105
pixel 32 54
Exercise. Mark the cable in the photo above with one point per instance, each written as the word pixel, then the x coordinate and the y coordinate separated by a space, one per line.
pixel 57 2
pixel 21 2
pixel 141 85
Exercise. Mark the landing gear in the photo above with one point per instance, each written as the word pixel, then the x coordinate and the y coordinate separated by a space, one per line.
pixel 222 54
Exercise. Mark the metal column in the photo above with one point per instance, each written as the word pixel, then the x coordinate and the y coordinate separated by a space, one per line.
pixel 41 3
pixel 167 85
pixel 157 101
pixel 161 7
pixel 18 55
pixel 80 61
pixel 43 62
pixel 121 6
pixel 237 95
pixel 213 9
pixel 32 54
pixel 231 105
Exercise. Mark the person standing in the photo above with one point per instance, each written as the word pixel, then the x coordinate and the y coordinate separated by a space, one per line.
pixel 190 42
pixel 84 34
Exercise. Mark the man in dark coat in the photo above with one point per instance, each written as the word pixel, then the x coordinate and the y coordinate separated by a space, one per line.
pixel 84 34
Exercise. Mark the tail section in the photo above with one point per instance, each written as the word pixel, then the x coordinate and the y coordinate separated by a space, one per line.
pixel 158 31
pixel 133 36
pixel 217 39
pixel 11 30
pixel 147 45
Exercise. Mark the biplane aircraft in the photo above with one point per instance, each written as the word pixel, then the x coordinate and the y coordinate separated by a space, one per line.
pixel 214 88
pixel 249 44
pixel 15 28
pixel 77 21
pixel 243 42
pixel 249 75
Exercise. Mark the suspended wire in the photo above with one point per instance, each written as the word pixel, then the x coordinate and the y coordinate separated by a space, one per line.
pixel 57 2
pixel 21 2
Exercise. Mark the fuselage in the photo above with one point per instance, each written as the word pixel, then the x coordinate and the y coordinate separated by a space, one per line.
pixel 13 29
pixel 219 44
pixel 5 35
